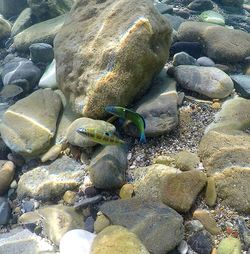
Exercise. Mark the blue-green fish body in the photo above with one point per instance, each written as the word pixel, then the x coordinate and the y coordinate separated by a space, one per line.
pixel 128 114
pixel 103 138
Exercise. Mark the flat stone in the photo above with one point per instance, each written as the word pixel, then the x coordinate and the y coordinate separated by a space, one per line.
pixel 158 227
pixel 21 240
pixel 117 239
pixel 183 58
pixel 179 191
pixel 51 181
pixel 208 81
pixel 111 75
pixel 212 17
pixel 37 112
pixel 41 32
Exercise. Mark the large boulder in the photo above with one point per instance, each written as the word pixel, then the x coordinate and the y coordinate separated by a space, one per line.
pixel 108 52
pixel 220 43
pixel 41 32
pixel 29 125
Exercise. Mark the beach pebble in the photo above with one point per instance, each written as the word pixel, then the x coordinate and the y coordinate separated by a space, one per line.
pixel 101 222
pixel 76 241
pixel 205 61
pixel 183 58
pixel 242 84
pixel 52 153
pixel 186 160
pixel 211 195
pixel 126 191
pixel 48 79
pixel 69 197
pixel 229 245
pixel 7 173
pixel 212 17
pixel 41 52
pixel 200 5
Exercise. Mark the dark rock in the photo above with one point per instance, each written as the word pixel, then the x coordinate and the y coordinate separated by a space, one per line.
pixel 10 8
pixel 158 226
pixel 183 58
pixel 5 211
pixel 242 85
pixel 201 242
pixel 90 192
pixel 244 233
pixel 174 21
pixel 41 52
pixel 21 72
pixel 4 150
pixel 11 93
pixel 192 48
pixel 88 201
pixel 184 13
pixel 200 5
pixel 89 224
pixel 205 61
pixel 164 8
pixel 107 167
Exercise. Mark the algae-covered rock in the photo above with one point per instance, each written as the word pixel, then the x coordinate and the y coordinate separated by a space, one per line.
pixel 229 245
pixel 117 239
pixel 108 52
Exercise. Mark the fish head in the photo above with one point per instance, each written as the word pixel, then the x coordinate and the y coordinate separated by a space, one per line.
pixel 81 131
pixel 110 109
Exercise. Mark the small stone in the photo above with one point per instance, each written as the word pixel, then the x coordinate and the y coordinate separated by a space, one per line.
pixel 52 153
pixel 207 220
pixel 205 61
pixel 101 222
pixel 89 224
pixel 88 201
pixel 76 241
pixel 126 191
pixel 5 211
pixel 200 5
pixel 229 245
pixel 212 17
pixel 28 206
pixel 183 58
pixel 201 242
pixel 7 173
pixel 194 226
pixel 165 160
pixel 211 195
pixel 244 232
pixel 186 160
pixel 41 52
pixel 117 239
pixel 69 197
pixel 183 247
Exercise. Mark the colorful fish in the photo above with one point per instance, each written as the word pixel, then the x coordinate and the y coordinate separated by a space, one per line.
pixel 103 138
pixel 128 114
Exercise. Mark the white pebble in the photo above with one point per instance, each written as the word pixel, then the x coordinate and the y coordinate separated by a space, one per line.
pixel 76 241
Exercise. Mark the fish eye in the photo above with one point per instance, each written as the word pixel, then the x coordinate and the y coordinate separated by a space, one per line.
pixel 108 134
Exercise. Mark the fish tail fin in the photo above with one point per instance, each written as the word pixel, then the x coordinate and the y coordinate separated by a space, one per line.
pixel 143 138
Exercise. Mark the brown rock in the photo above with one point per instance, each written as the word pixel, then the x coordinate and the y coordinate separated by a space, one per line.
pixel 108 52
pixel 7 173
pixel 207 221
pixel 126 191
pixel 186 160
pixel 101 222
pixel 179 191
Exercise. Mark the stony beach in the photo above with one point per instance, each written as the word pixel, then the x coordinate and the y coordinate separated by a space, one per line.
pixel 184 68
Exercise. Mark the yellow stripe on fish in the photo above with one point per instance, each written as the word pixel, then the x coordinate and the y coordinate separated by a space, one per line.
pixel 103 138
